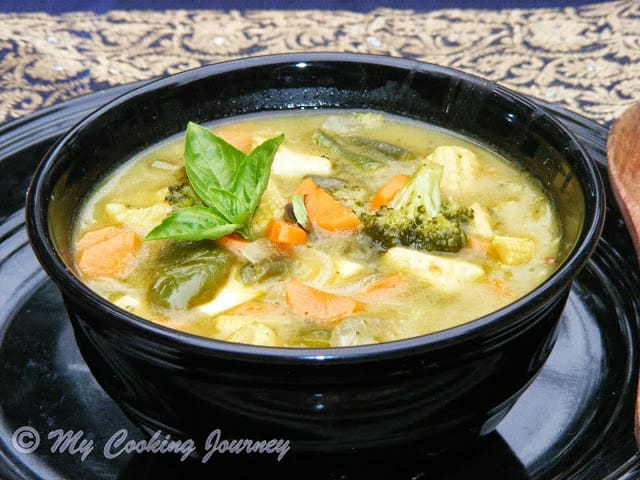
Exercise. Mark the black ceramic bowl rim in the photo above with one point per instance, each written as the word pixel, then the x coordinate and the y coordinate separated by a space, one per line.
pixel 39 193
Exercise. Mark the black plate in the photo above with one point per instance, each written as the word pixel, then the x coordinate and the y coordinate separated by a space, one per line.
pixel 574 421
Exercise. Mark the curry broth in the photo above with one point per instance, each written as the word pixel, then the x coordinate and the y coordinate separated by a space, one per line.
pixel 509 200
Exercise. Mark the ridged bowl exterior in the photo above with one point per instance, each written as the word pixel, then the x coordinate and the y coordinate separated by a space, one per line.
pixel 437 397
pixel 436 389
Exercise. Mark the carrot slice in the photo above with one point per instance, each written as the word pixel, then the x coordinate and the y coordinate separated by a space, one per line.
pixel 233 242
pixel 388 191
pixel 384 289
pixel 240 135
pixel 317 305
pixel 106 252
pixel 284 234
pixel 253 307
pixel 324 211
pixel 327 213
pixel 306 187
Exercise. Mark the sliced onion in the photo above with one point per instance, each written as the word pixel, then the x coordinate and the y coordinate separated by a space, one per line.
pixel 258 250
pixel 313 267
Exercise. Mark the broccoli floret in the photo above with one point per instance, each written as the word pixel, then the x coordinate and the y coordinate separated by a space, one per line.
pixel 390 228
pixel 457 213
pixel 421 195
pixel 181 196
pixel 417 218
pixel 354 197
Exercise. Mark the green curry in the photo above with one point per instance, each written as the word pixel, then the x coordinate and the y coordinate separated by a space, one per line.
pixel 316 230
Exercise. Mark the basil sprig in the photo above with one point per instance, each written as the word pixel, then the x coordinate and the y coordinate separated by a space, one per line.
pixel 227 181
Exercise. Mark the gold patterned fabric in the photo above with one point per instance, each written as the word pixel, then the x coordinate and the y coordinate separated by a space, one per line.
pixel 586 58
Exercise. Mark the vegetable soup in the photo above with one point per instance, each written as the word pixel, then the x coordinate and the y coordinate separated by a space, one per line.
pixel 316 230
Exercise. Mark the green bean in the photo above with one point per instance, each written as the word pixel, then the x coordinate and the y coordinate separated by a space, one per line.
pixel 389 150
pixel 337 147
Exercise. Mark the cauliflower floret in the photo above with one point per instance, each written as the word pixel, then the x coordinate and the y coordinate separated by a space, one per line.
pixel 460 167
pixel 480 224
pixel 140 219
pixel 346 124
pixel 369 119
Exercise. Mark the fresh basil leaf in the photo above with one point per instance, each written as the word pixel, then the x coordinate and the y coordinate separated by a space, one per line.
pixel 227 205
pixel 227 181
pixel 193 223
pixel 210 162
pixel 252 176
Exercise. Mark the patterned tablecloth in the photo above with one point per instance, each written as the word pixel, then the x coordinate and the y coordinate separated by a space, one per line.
pixel 586 58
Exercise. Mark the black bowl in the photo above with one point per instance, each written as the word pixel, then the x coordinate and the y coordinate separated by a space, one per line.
pixel 435 389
